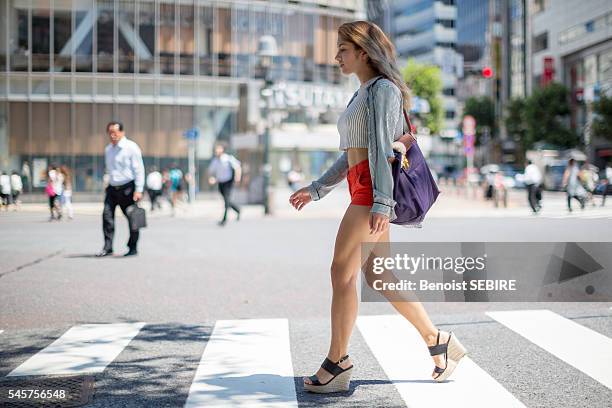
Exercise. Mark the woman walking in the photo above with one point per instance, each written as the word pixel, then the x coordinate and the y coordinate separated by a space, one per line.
pixel 572 185
pixel 368 127
pixel 54 192
pixel 67 192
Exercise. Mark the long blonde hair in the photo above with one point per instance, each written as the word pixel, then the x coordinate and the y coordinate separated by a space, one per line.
pixel 368 37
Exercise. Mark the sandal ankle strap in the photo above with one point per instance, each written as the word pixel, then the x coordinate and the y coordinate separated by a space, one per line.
pixel 333 368
pixel 439 348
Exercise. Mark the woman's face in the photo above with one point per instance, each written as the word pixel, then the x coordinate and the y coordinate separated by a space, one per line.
pixel 349 59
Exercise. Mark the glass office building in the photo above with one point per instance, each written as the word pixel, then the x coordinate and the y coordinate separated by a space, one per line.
pixel 67 67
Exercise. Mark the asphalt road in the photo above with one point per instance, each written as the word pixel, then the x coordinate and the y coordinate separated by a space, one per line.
pixel 191 274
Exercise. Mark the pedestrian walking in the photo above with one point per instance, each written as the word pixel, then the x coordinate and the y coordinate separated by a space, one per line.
pixel 176 185
pixel 364 50
pixel 572 185
pixel 125 169
pixel 607 182
pixel 53 189
pixel 26 176
pixel 154 187
pixel 16 189
pixel 533 181
pixel 588 178
pixel 66 198
pixel 225 170
pixel 5 190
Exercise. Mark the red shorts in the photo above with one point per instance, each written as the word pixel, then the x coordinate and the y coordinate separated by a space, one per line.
pixel 360 184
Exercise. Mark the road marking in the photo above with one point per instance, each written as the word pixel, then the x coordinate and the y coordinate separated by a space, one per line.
pixel 87 348
pixel 577 345
pixel 245 363
pixel 1 331
pixel 404 357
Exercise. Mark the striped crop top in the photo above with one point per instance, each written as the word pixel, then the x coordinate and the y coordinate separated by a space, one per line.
pixel 353 122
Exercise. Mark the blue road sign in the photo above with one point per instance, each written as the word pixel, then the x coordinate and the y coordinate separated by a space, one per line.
pixel 192 133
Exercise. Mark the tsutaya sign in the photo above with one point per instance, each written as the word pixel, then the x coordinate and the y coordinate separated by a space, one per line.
pixel 291 95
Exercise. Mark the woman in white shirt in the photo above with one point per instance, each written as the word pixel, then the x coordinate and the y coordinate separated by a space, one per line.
pixel 66 197
pixel 54 191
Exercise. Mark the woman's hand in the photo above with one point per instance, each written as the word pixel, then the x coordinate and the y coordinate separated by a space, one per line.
pixel 378 223
pixel 300 198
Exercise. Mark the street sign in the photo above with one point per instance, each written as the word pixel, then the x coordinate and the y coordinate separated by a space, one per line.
pixel 192 133
pixel 469 128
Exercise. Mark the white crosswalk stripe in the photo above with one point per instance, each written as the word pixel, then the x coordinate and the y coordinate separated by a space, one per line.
pixel 245 363
pixel 1 331
pixel 579 346
pixel 249 362
pixel 405 359
pixel 87 348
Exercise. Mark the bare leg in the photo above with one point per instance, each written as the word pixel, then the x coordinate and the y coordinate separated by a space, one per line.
pixel 405 303
pixel 354 229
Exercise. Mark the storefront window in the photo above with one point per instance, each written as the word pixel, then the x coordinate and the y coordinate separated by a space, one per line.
pixel 186 20
pixel 605 68
pixel 18 37
pixel 127 37
pixel 82 40
pixel 223 27
pixel 62 30
pixel 3 38
pixel 41 36
pixel 146 32
pixel 205 39
pixel 308 46
pixel 167 38
pixel 242 41
pixel 105 35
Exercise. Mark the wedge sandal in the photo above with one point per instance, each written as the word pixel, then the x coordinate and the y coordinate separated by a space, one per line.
pixel 339 382
pixel 453 352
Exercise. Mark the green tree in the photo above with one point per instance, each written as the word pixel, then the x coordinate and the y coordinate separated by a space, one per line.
pixel 602 121
pixel 483 111
pixel 515 119
pixel 515 125
pixel 425 81
pixel 546 114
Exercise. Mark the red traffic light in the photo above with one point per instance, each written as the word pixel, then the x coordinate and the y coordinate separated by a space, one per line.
pixel 487 72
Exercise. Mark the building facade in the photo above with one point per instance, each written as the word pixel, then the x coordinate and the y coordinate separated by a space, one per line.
pixel 67 67
pixel 425 31
pixel 572 44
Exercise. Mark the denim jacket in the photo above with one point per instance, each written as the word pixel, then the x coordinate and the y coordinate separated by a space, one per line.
pixel 384 107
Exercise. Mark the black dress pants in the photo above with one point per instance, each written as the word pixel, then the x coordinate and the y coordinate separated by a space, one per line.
pixel 122 196
pixel 532 196
pixel 225 189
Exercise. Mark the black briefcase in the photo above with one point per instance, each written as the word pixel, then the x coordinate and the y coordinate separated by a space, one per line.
pixel 137 217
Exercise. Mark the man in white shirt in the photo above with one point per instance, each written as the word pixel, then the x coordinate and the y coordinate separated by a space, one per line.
pixel 5 190
pixel 533 181
pixel 225 169
pixel 126 177
pixel 16 188
pixel 154 187
pixel 607 183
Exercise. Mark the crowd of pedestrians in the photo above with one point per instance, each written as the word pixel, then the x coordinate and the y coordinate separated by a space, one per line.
pixel 170 184
pixel 580 183
pixel 11 187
